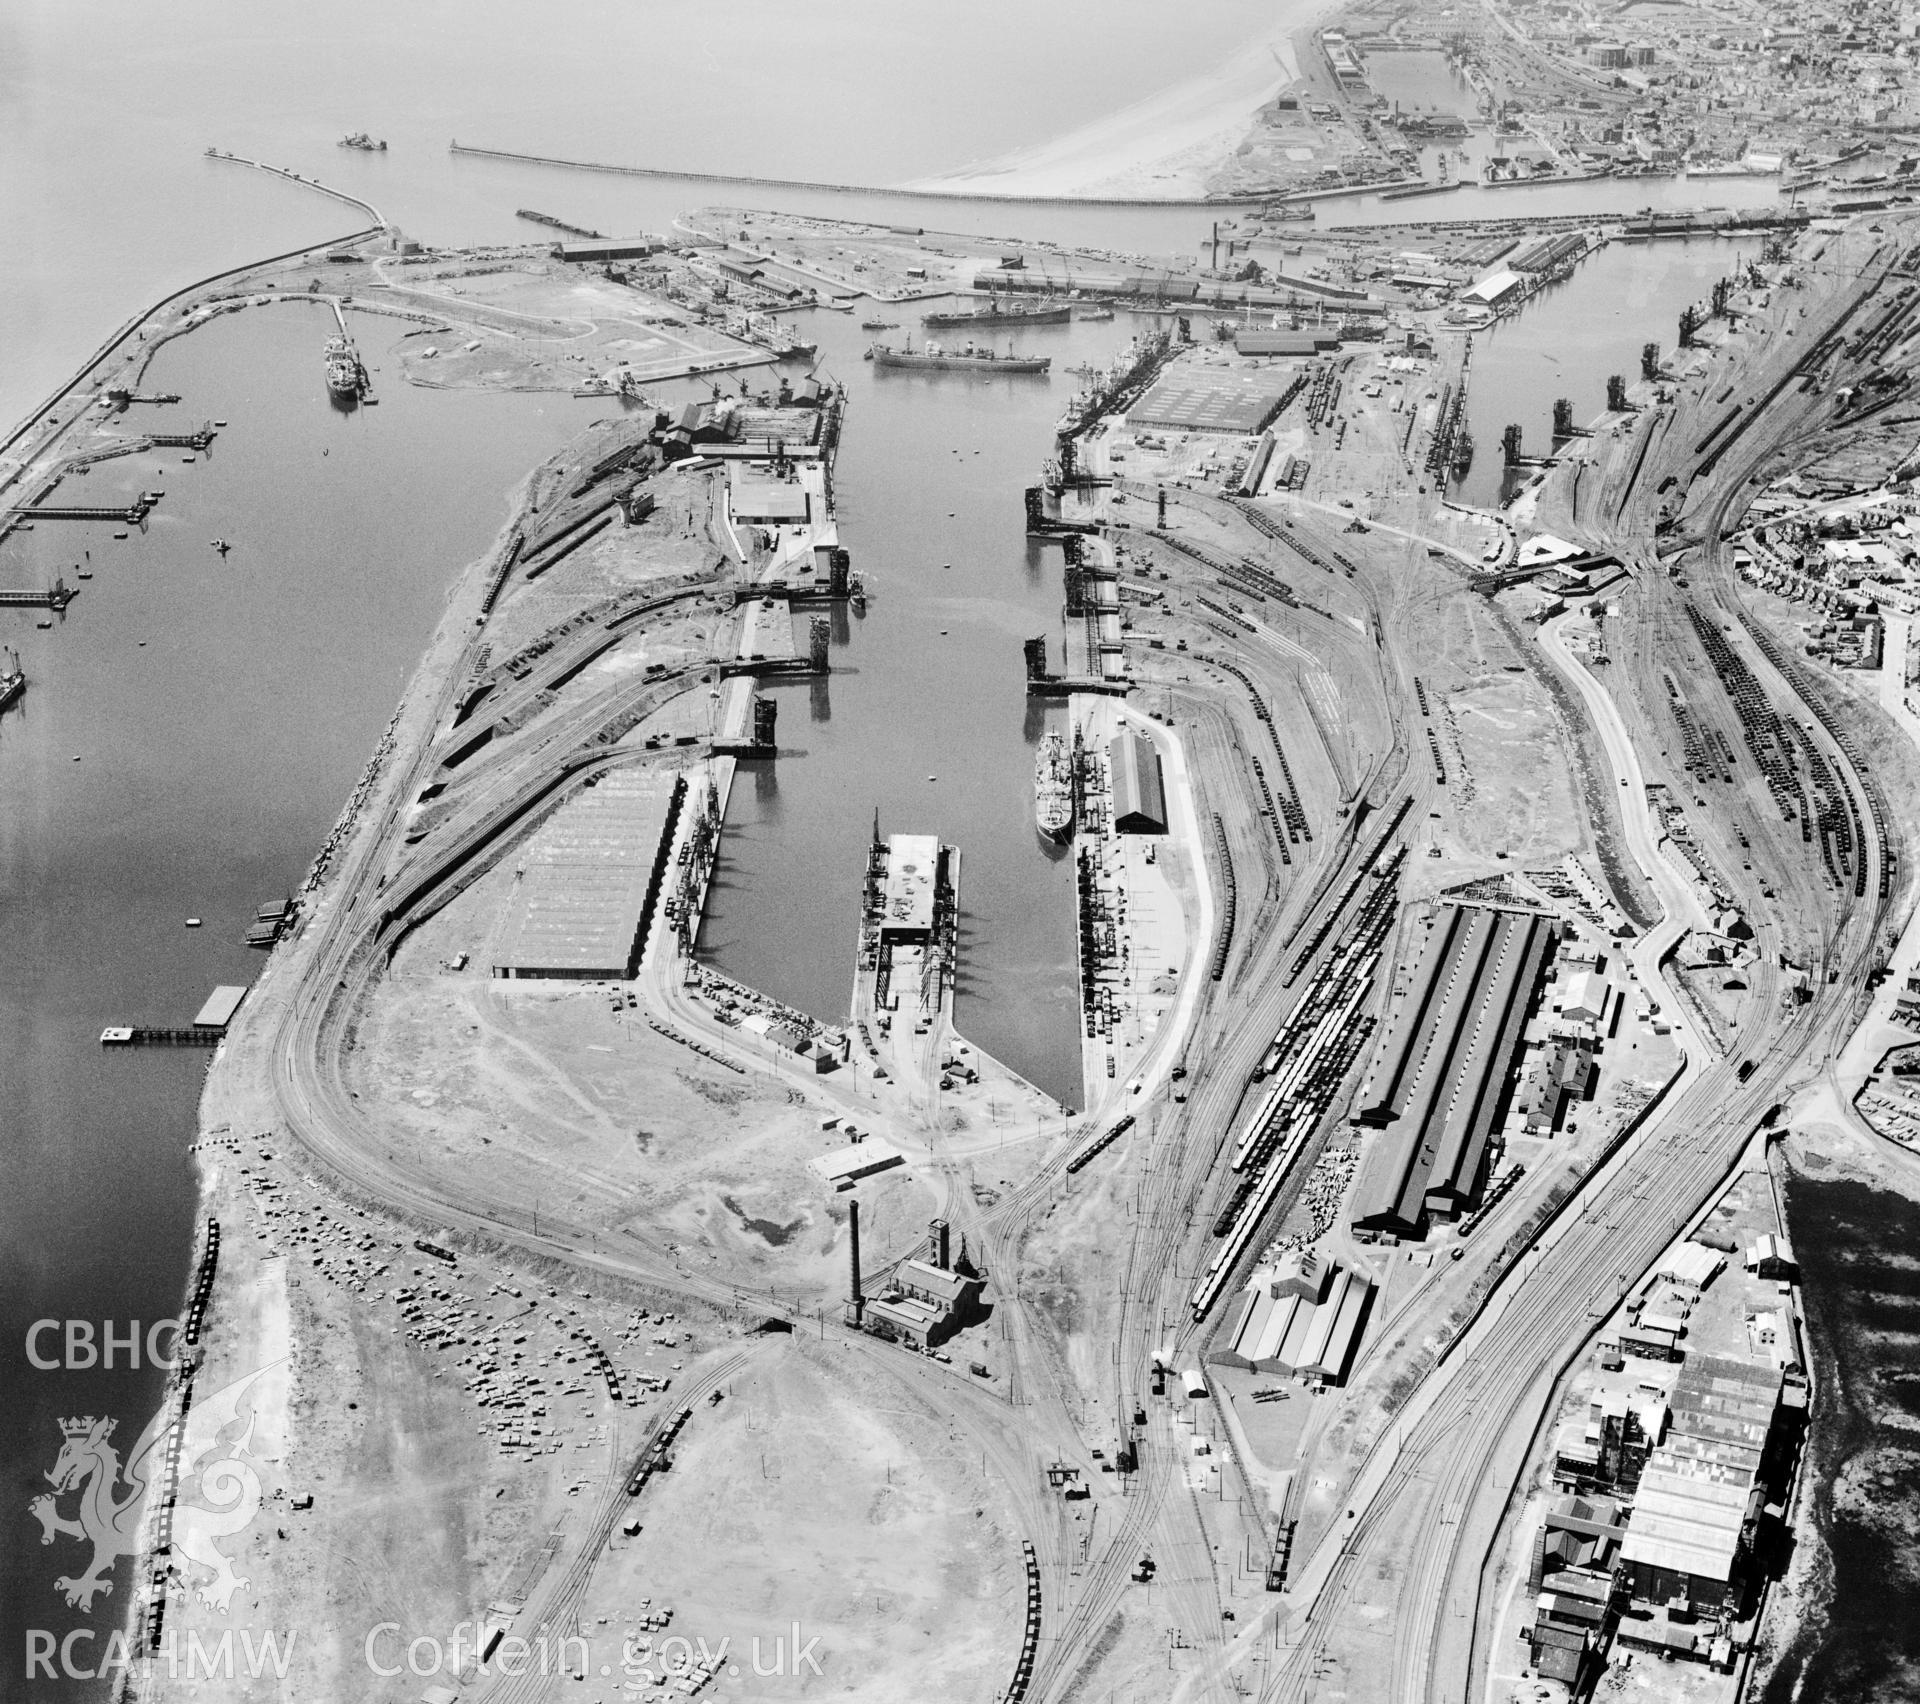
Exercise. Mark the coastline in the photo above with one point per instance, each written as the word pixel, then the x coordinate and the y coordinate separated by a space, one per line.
pixel 1169 143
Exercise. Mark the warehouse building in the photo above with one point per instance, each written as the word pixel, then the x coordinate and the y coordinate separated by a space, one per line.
pixel 1139 795
pixel 1303 1315
pixel 1492 291
pixel 586 885
pixel 1441 1075
pixel 594 251
pixel 1250 340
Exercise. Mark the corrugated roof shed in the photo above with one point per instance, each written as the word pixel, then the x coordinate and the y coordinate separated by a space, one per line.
pixel 1212 399
pixel 1139 800
pixel 581 894
pixel 1448 1052
pixel 1699 1487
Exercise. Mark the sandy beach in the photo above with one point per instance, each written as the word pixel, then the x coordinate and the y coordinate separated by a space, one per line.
pixel 1169 144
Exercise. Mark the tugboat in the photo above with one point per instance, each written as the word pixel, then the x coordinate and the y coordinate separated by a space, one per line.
pixel 1053 790
pixel 365 143
pixel 346 378
pixel 13 682
pixel 879 325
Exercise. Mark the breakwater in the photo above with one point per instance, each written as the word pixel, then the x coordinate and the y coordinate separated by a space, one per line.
pixel 820 187
pixel 287 172
pixel 135 326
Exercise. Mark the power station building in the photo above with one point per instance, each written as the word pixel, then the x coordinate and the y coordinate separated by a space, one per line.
pixel 1447 1055
pixel 925 1301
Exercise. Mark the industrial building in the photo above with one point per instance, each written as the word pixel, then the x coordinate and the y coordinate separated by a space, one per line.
pixel 1574 1573
pixel 1236 400
pixel 1303 1315
pixel 1562 1073
pixel 1607 1448
pixel 1139 794
pixel 1441 1073
pixel 925 1301
pixel 1701 1493
pixel 586 886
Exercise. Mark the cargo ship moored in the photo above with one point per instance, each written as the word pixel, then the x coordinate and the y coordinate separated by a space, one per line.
pixel 938 359
pixel 1053 790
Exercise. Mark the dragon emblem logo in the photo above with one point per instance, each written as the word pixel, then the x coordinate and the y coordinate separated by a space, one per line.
pixel 216 1492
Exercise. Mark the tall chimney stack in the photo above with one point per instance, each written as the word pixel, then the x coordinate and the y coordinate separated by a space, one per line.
pixel 937 1246
pixel 856 1302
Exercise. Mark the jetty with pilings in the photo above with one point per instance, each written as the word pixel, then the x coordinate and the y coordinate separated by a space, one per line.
pixel 116 514
pixel 55 597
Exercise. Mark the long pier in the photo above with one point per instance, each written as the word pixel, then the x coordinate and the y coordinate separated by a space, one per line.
pixel 130 514
pixel 138 1035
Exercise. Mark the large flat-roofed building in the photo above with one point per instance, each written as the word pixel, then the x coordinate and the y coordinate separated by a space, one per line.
pixel 220 1006
pixel 913 864
pixel 587 883
pixel 758 494
pixel 1139 794
pixel 595 250
pixel 1447 1053
pixel 1238 400
pixel 844 1167
pixel 1702 1490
